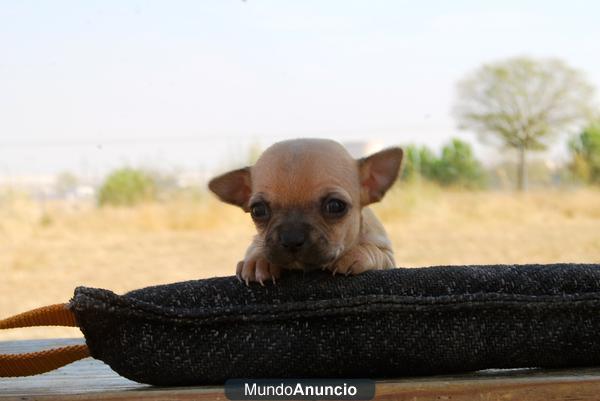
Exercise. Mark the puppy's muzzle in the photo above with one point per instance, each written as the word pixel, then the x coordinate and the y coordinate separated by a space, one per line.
pixel 292 238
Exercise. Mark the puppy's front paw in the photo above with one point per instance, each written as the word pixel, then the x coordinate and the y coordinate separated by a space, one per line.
pixel 257 269
pixel 352 262
pixel 362 258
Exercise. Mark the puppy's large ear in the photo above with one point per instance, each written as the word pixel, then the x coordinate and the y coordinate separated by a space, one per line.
pixel 233 187
pixel 377 174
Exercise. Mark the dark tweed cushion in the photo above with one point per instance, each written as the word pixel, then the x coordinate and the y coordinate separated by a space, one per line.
pixel 378 324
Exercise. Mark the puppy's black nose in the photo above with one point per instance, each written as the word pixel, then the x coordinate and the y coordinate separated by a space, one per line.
pixel 292 239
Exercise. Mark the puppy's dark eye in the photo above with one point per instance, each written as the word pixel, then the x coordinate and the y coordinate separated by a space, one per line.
pixel 259 211
pixel 334 207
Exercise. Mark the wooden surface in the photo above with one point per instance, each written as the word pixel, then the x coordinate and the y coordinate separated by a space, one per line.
pixel 90 379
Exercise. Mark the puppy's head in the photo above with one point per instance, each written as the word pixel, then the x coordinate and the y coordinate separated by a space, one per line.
pixel 305 197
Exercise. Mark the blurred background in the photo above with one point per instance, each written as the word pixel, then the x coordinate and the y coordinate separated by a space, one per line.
pixel 114 114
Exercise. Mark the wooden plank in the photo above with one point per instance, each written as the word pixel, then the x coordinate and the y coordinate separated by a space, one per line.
pixel 87 375
pixel 90 379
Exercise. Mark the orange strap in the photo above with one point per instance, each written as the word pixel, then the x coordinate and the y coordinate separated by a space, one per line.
pixel 34 363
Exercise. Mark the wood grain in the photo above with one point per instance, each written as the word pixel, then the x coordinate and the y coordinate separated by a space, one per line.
pixel 90 379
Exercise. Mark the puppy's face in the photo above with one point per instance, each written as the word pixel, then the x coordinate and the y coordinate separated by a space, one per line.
pixel 305 198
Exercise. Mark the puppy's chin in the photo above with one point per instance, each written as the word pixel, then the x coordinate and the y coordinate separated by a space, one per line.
pixel 305 261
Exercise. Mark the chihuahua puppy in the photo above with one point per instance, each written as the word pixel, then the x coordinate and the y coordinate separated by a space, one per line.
pixel 308 199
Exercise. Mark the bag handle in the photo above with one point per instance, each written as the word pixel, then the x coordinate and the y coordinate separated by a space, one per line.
pixel 34 363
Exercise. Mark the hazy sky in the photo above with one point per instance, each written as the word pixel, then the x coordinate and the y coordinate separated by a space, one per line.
pixel 86 86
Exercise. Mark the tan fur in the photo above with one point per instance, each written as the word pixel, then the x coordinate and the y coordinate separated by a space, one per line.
pixel 293 177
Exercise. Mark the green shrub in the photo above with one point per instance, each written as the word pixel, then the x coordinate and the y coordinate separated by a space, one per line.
pixel 457 166
pixel 419 162
pixel 127 187
pixel 585 155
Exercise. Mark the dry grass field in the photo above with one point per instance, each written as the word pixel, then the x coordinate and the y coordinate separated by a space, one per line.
pixel 48 249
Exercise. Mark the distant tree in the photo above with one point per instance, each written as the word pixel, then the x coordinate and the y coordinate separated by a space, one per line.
pixel 127 187
pixel 164 182
pixel 523 102
pixel 585 155
pixel 457 166
pixel 65 183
